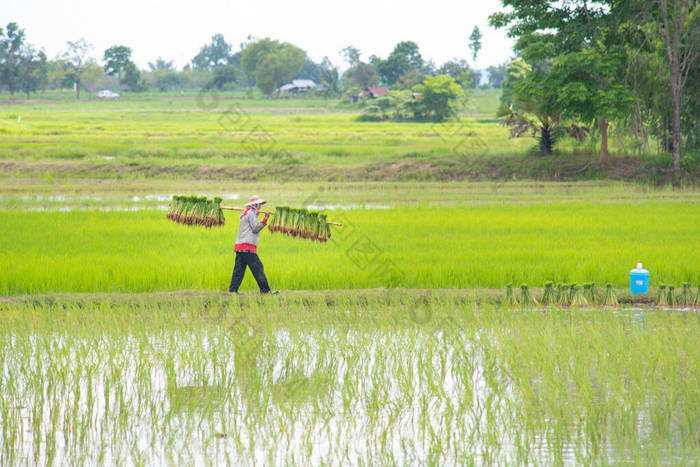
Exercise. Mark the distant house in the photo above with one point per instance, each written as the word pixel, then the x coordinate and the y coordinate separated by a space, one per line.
pixel 373 93
pixel 297 86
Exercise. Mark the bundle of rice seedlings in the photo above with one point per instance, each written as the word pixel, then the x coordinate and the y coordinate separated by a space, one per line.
pixel 564 297
pixel 590 293
pixel 526 298
pixel 276 223
pixel 510 299
pixel 671 297
pixel 194 210
pixel 577 298
pixel 549 295
pixel 610 297
pixel 300 223
pixel 686 297
pixel 661 297
pixel 220 219
pixel 324 228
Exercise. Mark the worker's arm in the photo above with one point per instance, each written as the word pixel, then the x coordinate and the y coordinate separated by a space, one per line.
pixel 255 225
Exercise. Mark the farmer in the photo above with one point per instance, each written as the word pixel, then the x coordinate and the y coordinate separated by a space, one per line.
pixel 247 247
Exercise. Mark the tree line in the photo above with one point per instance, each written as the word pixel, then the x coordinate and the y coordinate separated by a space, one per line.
pixel 263 63
pixel 585 65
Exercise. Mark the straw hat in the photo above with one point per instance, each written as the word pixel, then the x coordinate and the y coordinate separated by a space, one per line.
pixel 255 200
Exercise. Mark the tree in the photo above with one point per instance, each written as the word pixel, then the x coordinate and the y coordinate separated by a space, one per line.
pixel 32 70
pixel 516 70
pixel 163 80
pixel 475 42
pixel 459 70
pixel 533 107
pixel 409 79
pixel 361 75
pixel 438 100
pixel 216 53
pixel 11 42
pixel 678 24
pixel 57 73
pixel 116 59
pixel 161 65
pixel 225 74
pixel 585 86
pixel 76 56
pixel 351 55
pixel 132 78
pixel 496 75
pixel 330 77
pixel 93 74
pixel 581 30
pixel 405 57
pixel 271 63
pixel 310 70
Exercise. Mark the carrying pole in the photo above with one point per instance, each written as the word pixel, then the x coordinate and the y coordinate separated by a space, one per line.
pixel 228 208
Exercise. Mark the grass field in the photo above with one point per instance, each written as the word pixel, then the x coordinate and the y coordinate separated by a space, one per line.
pixel 208 128
pixel 225 136
pixel 417 247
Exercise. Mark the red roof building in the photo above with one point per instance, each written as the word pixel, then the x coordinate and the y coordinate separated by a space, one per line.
pixel 373 93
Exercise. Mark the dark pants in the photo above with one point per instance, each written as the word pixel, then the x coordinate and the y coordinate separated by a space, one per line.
pixel 243 259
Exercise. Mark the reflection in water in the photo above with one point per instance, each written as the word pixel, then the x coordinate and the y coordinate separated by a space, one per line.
pixel 436 390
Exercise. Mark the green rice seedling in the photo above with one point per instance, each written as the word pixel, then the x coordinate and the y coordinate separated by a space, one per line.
pixel 661 296
pixel 300 223
pixel 686 297
pixel 559 290
pixel 526 298
pixel 280 220
pixel 549 295
pixel 592 296
pixel 671 298
pixel 697 297
pixel 610 298
pixel 324 228
pixel 577 297
pixel 586 290
pixel 80 251
pixel 194 210
pixel 218 213
pixel 510 299
pixel 563 298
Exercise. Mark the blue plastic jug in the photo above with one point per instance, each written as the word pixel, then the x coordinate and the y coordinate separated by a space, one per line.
pixel 639 280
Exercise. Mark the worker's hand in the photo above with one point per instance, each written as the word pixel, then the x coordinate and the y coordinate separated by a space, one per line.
pixel 267 213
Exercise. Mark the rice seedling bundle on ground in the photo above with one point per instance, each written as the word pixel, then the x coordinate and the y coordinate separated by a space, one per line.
pixel 510 299
pixel 196 210
pixel 671 296
pixel 590 292
pixel 563 294
pixel 661 298
pixel 549 295
pixel 526 298
pixel 686 296
pixel 610 298
pixel 577 298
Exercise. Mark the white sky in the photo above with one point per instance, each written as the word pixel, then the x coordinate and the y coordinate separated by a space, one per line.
pixel 176 30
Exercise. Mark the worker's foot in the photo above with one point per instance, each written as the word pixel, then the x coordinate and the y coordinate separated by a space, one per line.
pixel 271 292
